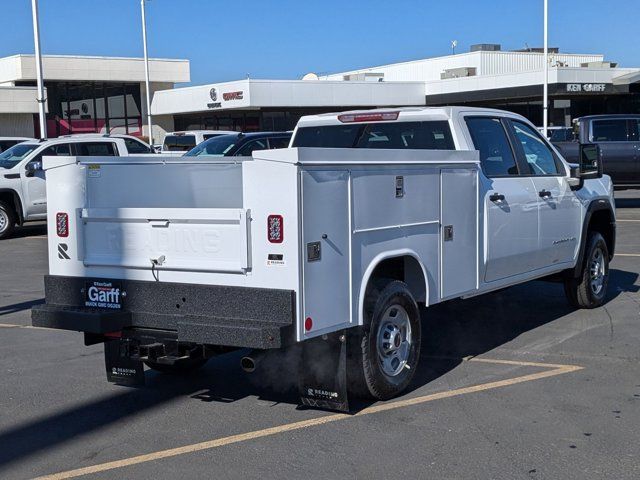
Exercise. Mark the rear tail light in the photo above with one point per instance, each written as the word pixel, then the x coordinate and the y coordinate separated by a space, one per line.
pixel 368 117
pixel 62 224
pixel 275 228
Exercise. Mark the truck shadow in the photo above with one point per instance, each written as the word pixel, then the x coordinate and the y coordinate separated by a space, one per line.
pixel 30 230
pixel 463 328
pixel 451 331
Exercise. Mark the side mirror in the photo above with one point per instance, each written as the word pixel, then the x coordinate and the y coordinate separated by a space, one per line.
pixel 590 161
pixel 32 167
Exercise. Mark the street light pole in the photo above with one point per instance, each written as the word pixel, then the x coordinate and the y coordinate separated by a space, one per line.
pixel 545 95
pixel 40 83
pixel 146 72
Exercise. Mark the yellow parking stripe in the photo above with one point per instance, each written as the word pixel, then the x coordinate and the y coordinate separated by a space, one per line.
pixel 551 371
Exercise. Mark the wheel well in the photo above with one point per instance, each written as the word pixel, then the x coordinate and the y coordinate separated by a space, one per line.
pixel 9 197
pixel 602 221
pixel 405 268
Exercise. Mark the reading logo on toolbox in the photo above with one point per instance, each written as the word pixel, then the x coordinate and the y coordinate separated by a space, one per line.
pixel 104 295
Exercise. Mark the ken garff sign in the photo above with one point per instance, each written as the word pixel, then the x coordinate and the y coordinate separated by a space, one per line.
pixel 586 87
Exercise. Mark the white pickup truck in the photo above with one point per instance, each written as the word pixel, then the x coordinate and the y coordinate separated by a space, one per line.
pixel 326 247
pixel 23 193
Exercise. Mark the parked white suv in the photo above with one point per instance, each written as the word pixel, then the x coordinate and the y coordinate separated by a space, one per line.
pixel 23 194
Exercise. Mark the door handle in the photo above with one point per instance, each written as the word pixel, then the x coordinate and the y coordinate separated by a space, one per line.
pixel 544 194
pixel 496 197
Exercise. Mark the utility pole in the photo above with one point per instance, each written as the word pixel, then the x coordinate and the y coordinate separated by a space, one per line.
pixel 545 94
pixel 40 83
pixel 146 71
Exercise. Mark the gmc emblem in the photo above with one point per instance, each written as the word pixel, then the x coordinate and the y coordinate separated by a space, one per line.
pixel 233 96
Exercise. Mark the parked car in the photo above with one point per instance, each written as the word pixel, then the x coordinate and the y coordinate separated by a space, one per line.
pixel 618 137
pixel 185 141
pixel 326 252
pixel 8 142
pixel 23 195
pixel 240 144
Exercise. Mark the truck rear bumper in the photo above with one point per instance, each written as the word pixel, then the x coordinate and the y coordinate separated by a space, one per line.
pixel 200 314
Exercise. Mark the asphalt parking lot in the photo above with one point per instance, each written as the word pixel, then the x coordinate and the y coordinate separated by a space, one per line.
pixel 512 385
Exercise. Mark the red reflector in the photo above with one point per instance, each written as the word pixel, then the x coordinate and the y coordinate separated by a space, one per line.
pixel 62 224
pixel 368 117
pixel 275 228
pixel 308 324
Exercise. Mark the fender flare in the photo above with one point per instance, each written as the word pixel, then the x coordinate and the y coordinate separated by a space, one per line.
pixel 17 202
pixel 595 206
pixel 377 260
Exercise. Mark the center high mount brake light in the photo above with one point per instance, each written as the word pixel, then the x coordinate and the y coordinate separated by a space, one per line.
pixel 368 117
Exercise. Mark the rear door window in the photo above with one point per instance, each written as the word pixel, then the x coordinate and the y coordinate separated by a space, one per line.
pixel 609 130
pixel 99 149
pixel 430 135
pixel 490 139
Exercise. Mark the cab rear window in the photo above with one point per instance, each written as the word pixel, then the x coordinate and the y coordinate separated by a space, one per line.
pixel 430 135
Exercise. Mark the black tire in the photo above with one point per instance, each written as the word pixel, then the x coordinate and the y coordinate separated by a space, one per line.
pixel 7 220
pixel 368 378
pixel 582 292
pixel 181 367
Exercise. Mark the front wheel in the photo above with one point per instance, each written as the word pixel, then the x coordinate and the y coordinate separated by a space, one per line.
pixel 590 288
pixel 384 354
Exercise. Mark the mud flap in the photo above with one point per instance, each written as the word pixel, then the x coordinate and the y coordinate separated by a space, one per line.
pixel 121 369
pixel 323 373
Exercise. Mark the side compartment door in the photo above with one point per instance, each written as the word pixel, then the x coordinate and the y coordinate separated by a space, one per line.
pixel 325 249
pixel 509 199
pixel 559 210
pixel 459 231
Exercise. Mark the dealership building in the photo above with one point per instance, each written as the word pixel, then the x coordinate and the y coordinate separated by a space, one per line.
pixel 486 76
pixel 83 94
pixel 104 94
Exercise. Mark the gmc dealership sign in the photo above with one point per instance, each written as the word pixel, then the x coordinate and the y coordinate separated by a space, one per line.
pixel 228 96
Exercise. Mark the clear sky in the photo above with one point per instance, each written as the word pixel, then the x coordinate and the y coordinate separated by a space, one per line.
pixel 228 40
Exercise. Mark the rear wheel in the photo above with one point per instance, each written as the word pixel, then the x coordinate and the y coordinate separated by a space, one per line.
pixel 180 367
pixel 590 288
pixel 7 220
pixel 384 353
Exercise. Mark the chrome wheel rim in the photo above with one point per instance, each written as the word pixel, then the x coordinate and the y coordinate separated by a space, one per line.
pixel 394 340
pixel 4 221
pixel 597 271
